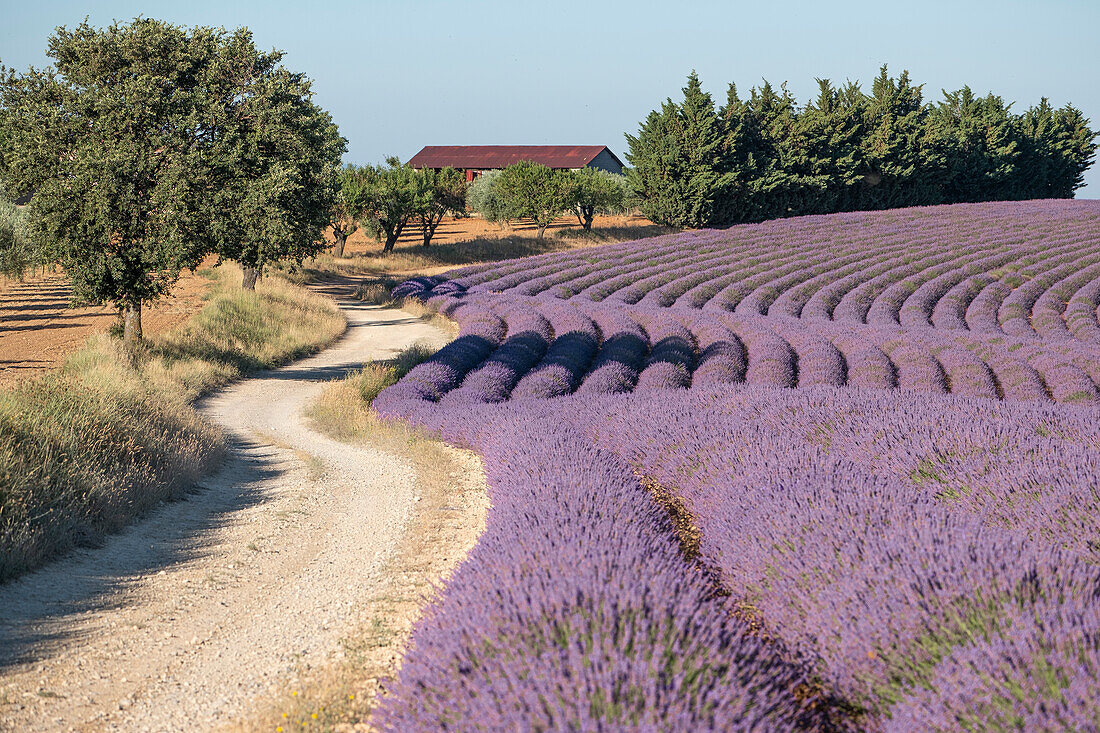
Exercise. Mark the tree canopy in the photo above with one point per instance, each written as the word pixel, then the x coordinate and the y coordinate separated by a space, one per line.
pixel 148 146
pixel 765 156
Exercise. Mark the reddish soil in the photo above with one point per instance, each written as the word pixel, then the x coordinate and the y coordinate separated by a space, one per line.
pixel 474 227
pixel 38 329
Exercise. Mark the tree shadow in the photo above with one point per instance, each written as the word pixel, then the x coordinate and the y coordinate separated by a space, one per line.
pixel 42 609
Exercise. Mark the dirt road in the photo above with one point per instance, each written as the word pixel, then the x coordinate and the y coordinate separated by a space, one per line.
pixel 195 616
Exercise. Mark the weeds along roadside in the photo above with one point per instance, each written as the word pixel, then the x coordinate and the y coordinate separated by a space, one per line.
pixel 88 448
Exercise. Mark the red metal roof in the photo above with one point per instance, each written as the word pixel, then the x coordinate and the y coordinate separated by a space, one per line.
pixel 501 156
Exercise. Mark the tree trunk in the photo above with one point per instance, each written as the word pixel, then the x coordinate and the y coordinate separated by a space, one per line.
pixel 391 240
pixel 542 229
pixel 251 275
pixel 430 225
pixel 341 240
pixel 588 217
pixel 392 237
pixel 131 323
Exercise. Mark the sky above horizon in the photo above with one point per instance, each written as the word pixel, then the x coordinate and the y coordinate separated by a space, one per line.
pixel 400 75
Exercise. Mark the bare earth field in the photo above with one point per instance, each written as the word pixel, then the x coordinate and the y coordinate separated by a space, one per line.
pixel 202 615
pixel 453 231
pixel 38 329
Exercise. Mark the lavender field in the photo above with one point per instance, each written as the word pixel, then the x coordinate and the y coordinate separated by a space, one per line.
pixel 834 472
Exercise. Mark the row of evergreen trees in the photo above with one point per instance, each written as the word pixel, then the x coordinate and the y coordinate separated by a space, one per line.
pixel 765 157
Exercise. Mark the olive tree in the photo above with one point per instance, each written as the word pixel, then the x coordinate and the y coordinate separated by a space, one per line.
pixel 598 192
pixel 391 198
pixel 17 250
pixel 439 193
pixel 350 206
pixel 484 197
pixel 534 191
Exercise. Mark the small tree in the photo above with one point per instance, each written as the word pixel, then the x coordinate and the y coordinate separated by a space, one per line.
pixel 598 192
pixel 438 194
pixel 114 145
pixel 392 198
pixel 484 197
pixel 533 191
pixel 349 209
pixel 280 152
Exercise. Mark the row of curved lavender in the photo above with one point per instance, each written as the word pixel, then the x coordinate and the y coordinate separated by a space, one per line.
pixel 988 300
pixel 922 558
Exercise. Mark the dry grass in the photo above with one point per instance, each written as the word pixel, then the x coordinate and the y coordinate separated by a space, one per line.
pixel 87 448
pixel 472 242
pixel 343 410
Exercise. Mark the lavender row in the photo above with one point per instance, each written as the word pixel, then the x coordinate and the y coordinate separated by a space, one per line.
pixel 785 352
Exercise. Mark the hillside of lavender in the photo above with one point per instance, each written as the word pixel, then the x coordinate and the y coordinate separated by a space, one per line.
pixel 831 472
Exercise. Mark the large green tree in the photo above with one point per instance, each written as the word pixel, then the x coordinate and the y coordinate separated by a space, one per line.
pixel 113 143
pixel 276 154
pixel 148 146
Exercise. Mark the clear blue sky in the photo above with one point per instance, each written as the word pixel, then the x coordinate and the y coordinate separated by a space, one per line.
pixel 400 75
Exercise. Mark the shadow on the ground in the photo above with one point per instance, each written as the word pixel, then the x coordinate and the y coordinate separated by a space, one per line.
pixel 38 610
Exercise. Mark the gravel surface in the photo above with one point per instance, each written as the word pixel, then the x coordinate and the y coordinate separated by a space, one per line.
pixel 192 618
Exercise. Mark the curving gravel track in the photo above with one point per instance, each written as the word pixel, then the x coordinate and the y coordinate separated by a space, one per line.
pixel 190 619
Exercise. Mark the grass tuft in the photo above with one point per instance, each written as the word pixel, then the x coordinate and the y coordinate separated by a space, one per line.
pixel 343 410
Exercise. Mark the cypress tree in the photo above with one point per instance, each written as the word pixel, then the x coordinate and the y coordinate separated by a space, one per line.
pixel 655 174
pixel 701 149
pixel 677 160
pixel 978 147
pixel 891 149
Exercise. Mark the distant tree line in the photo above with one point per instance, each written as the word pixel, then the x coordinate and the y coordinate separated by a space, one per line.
pixel 766 157
pixel 385 200
pixel 532 191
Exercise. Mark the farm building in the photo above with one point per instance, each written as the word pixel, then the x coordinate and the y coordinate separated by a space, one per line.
pixel 476 159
